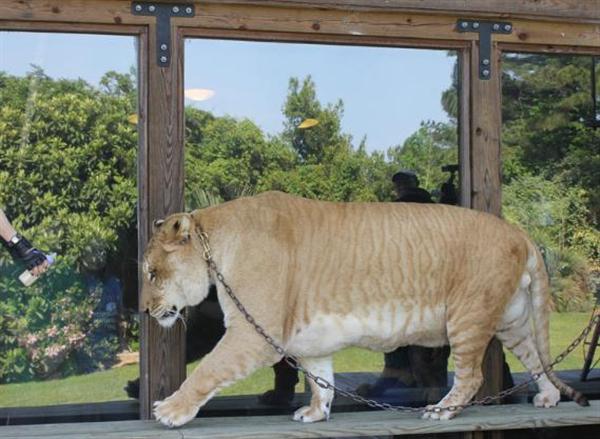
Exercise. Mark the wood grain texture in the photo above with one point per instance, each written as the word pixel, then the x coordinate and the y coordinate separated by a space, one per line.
pixel 543 9
pixel 393 22
pixel 485 130
pixel 548 48
pixel 355 424
pixel 350 40
pixel 485 134
pixel 143 205
pixel 162 361
pixel 382 24
pixel 464 127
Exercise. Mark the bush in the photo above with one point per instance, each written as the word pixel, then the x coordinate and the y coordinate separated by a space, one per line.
pixel 68 183
pixel 556 218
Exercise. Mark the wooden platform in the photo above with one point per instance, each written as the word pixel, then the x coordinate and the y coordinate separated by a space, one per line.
pixel 508 417
pixel 247 405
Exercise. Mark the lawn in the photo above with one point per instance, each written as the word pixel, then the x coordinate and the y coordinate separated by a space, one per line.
pixel 108 385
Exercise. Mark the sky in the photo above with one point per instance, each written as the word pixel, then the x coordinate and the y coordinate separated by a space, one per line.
pixel 387 92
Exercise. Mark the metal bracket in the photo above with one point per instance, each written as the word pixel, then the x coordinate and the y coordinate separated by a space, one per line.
pixel 485 30
pixel 163 13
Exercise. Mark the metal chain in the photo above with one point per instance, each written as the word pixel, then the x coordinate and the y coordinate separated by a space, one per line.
pixel 294 361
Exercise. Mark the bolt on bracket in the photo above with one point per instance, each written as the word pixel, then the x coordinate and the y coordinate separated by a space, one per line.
pixel 163 13
pixel 485 30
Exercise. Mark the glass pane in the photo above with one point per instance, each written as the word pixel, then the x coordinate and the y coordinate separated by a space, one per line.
pixel 68 153
pixel 324 122
pixel 551 158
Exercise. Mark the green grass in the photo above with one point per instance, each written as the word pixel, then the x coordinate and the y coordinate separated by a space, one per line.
pixel 101 386
pixel 108 385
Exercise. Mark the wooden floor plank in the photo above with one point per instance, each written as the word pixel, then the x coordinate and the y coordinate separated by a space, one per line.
pixel 507 417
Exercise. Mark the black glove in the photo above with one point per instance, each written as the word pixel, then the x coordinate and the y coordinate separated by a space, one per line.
pixel 21 250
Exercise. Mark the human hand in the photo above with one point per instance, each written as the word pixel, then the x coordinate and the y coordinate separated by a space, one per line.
pixel 21 250
pixel 40 268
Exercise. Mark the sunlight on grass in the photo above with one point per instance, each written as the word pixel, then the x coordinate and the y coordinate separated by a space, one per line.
pixel 108 385
pixel 101 386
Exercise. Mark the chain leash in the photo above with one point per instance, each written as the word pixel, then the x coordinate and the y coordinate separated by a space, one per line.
pixel 294 361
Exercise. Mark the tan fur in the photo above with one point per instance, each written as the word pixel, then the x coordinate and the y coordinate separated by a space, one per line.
pixel 320 276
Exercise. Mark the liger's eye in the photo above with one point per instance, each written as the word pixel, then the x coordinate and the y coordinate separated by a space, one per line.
pixel 152 276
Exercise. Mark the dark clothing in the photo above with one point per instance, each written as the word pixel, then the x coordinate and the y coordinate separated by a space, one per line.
pixel 449 194
pixel 415 195
pixel 286 378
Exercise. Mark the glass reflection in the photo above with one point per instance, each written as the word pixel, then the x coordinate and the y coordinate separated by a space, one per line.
pixel 68 152
pixel 551 157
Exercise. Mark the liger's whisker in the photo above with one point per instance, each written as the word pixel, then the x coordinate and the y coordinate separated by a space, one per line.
pixel 180 317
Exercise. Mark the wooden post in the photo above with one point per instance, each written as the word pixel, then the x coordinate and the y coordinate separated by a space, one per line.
pixel 162 362
pixel 486 122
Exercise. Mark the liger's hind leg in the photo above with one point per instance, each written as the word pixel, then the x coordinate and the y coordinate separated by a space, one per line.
pixel 320 402
pixel 517 336
pixel 468 342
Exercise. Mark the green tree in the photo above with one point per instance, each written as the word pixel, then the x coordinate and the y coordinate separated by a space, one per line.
pixel 68 182
pixel 227 157
pixel 551 157
pixel 321 142
pixel 546 115
pixel 329 166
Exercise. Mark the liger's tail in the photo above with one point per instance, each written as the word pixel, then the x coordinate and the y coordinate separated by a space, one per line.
pixel 540 299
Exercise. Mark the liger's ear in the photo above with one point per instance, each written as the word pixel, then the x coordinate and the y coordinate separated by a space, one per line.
pixel 156 224
pixel 177 232
pixel 182 228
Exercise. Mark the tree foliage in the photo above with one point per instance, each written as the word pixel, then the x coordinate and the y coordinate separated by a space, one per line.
pixel 68 183
pixel 551 162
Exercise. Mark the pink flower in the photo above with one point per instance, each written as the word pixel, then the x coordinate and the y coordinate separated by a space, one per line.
pixel 75 338
pixel 31 339
pixel 54 350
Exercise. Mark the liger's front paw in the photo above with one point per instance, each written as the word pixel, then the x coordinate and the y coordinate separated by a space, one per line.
pixel 175 411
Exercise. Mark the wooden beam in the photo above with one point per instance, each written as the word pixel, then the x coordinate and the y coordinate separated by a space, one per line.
pixel 572 10
pixel 313 23
pixel 309 21
pixel 485 127
pixel 486 122
pixel 162 361
pixel 464 127
pixel 550 49
pixel 349 40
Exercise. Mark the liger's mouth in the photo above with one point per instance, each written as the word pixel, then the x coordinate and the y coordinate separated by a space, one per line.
pixel 168 317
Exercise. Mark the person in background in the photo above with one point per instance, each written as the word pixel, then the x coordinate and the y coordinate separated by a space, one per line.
pixel 20 248
pixel 406 185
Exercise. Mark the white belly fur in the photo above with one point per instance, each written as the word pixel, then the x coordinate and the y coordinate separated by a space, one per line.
pixel 376 329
